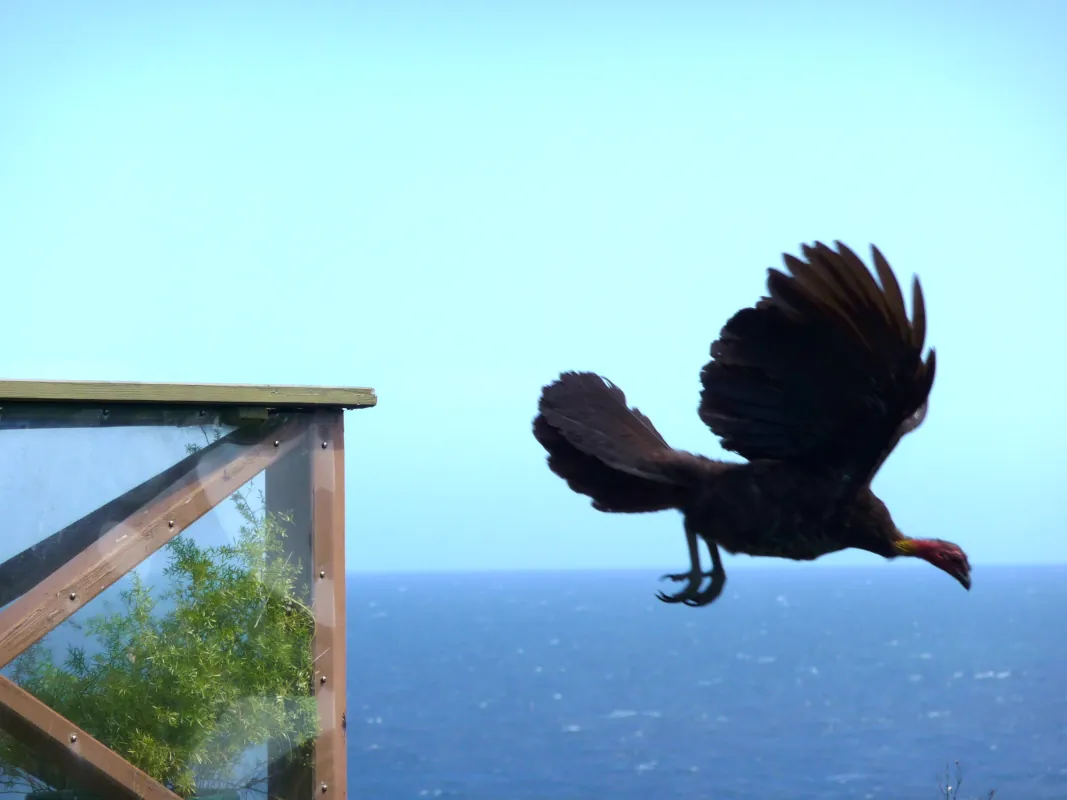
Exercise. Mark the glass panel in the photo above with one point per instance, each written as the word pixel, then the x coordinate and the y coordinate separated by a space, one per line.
pixel 196 664
pixel 53 478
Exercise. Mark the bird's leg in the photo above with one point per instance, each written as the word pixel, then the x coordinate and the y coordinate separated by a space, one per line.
pixel 694 576
pixel 718 580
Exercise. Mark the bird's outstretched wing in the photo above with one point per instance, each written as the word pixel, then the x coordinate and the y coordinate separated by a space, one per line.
pixel 827 369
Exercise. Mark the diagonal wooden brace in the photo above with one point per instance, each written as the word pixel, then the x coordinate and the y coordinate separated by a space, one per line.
pixel 84 759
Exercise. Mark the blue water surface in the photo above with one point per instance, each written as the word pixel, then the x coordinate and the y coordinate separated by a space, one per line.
pixel 823 683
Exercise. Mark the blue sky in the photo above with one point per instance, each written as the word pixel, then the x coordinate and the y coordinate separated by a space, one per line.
pixel 453 202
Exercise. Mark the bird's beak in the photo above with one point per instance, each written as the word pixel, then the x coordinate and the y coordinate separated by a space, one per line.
pixel 964 577
pixel 958 568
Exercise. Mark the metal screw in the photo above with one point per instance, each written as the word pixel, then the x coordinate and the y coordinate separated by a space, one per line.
pixel 322 573
pixel 73 738
pixel 324 446
pixel 276 443
pixel 73 596
pixel 105 412
pixel 170 523
pixel 323 787
pixel 322 680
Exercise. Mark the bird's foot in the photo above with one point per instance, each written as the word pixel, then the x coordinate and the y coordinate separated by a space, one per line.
pixel 690 594
pixel 709 595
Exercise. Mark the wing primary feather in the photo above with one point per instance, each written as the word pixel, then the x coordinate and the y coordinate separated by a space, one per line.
pixel 918 311
pixel 810 278
pixel 852 271
pixel 804 292
pixel 849 273
pixel 870 295
pixel 930 368
pixel 894 297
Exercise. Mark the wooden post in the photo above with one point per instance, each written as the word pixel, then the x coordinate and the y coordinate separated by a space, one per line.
pixel 308 486
pixel 328 548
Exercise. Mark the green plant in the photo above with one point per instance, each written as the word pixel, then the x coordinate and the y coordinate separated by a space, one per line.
pixel 950 790
pixel 186 681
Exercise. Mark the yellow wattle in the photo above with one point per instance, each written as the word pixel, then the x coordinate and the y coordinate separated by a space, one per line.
pixel 905 546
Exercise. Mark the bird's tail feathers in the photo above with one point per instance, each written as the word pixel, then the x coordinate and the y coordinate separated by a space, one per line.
pixel 606 450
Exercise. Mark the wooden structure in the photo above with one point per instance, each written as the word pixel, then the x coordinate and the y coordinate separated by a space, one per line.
pixel 294 436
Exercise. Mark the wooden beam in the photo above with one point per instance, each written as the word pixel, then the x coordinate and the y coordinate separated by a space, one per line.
pixel 328 601
pixel 270 396
pixel 288 493
pixel 23 571
pixel 40 414
pixel 86 761
pixel 142 532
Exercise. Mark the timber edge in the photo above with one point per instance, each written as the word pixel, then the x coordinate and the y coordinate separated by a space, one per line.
pixel 210 394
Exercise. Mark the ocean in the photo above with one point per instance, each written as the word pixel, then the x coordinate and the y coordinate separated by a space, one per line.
pixel 829 683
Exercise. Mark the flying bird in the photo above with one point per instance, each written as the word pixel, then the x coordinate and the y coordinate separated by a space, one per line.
pixel 813 386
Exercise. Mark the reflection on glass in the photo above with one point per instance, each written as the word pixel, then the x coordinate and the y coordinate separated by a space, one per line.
pixel 196 667
pixel 53 478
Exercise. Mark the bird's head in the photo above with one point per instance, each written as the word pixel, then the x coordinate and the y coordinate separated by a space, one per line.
pixel 943 555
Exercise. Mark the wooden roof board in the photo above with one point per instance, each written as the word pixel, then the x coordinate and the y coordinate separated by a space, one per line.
pixel 209 394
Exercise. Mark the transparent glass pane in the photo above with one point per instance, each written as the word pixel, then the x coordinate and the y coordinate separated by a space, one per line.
pixel 196 665
pixel 53 479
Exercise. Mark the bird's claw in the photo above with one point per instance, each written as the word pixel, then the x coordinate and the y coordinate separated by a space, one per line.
pixel 701 599
pixel 690 595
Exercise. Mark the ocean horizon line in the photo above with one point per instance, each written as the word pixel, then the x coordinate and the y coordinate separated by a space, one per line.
pixel 807 568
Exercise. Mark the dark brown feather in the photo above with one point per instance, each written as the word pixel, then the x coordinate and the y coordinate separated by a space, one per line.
pixel 608 451
pixel 592 415
pixel 826 369
pixel 609 489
